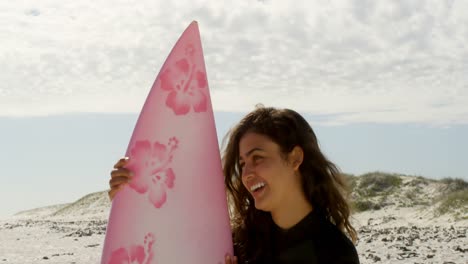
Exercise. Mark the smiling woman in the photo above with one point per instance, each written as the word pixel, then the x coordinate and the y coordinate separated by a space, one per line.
pixel 288 200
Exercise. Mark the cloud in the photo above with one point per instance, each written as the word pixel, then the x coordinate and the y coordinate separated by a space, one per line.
pixel 352 61
pixel 33 12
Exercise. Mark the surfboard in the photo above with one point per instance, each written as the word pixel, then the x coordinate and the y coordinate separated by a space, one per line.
pixel 175 209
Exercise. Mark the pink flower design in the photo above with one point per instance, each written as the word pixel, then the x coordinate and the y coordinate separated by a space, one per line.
pixel 135 254
pixel 152 172
pixel 186 85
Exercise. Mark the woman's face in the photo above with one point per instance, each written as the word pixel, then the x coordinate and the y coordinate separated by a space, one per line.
pixel 265 174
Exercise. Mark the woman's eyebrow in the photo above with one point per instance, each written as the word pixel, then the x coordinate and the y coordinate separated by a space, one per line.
pixel 247 154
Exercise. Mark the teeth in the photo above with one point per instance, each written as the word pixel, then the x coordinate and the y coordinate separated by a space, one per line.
pixel 255 187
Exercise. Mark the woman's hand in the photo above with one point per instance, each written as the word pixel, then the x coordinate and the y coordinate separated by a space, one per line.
pixel 231 259
pixel 120 176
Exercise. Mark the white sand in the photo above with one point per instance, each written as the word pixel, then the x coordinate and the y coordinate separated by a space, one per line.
pixel 74 233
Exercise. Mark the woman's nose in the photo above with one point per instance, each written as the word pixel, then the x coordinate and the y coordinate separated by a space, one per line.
pixel 247 171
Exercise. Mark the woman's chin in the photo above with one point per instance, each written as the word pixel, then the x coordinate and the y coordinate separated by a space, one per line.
pixel 262 206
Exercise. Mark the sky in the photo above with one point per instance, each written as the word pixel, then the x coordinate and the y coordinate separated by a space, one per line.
pixel 383 83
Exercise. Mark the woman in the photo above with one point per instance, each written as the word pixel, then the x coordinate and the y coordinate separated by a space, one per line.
pixel 288 200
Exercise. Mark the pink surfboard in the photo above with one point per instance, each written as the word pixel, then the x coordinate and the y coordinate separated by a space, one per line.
pixel 174 210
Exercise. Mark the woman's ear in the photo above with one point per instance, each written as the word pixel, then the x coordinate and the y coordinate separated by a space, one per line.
pixel 296 156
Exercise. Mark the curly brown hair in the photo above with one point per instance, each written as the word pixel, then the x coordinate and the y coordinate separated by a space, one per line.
pixel 324 186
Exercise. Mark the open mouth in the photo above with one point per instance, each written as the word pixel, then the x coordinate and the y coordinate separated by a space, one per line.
pixel 257 187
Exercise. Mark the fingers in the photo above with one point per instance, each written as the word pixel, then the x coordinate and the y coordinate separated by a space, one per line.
pixel 120 176
pixel 113 192
pixel 116 185
pixel 122 162
pixel 117 181
pixel 121 172
pixel 231 260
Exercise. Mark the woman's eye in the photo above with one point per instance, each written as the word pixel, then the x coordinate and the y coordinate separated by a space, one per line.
pixel 241 165
pixel 257 158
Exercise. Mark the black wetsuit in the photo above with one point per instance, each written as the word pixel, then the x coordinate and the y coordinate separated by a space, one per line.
pixel 314 240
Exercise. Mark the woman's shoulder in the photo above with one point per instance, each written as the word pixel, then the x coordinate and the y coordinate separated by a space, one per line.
pixel 323 243
pixel 333 246
pixel 316 240
pixel 328 231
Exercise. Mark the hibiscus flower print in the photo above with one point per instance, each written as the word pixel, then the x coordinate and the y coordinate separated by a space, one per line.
pixel 153 175
pixel 186 85
pixel 135 254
